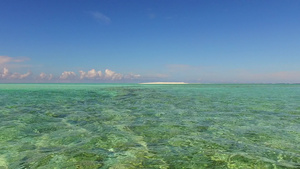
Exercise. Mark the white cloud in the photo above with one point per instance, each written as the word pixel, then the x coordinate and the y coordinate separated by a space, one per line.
pixel 50 77
pixel 7 63
pixel 44 76
pixel 7 75
pixel 92 74
pixel 23 76
pixel 100 17
pixel 132 76
pixel 71 76
pixel 67 75
pixel 107 75
pixel 111 75
pixel 7 59
pixel 19 76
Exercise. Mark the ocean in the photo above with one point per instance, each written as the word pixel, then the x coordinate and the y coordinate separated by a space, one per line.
pixel 149 126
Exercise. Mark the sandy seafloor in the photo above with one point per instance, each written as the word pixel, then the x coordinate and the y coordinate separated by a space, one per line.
pixel 149 126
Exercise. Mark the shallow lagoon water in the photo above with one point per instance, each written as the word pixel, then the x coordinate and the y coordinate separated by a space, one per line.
pixel 149 126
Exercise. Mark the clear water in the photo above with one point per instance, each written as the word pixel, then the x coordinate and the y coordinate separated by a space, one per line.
pixel 149 126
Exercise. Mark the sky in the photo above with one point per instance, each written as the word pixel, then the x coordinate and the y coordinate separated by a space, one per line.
pixel 132 41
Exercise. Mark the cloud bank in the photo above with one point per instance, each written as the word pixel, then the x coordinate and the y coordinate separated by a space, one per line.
pixel 70 76
pixel 92 74
pixel 175 72
pixel 44 76
pixel 111 75
pixel 96 76
pixel 7 75
pixel 108 75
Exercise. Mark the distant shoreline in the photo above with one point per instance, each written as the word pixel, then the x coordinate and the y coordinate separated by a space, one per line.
pixel 164 83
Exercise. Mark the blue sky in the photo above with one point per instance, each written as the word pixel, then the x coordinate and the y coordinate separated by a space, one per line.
pixel 196 41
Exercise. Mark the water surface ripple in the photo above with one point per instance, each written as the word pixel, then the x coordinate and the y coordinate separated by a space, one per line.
pixel 149 126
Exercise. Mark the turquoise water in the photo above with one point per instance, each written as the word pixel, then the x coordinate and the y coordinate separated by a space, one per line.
pixel 149 126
